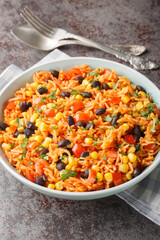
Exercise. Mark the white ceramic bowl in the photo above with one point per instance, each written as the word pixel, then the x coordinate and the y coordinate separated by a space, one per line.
pixel 134 76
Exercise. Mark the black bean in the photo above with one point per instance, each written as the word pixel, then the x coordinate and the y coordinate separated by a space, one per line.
pixel 60 166
pixel 70 150
pixel 84 154
pixel 43 151
pixel 22 106
pixel 65 94
pixel 28 132
pixel 44 177
pixel 3 126
pixel 31 125
pixel 95 84
pixel 48 80
pixel 89 125
pixel 40 181
pixel 137 132
pixel 100 111
pixel 55 73
pixel 105 86
pixel 64 143
pixel 28 105
pixel 114 120
pixel 85 174
pixel 136 172
pixel 81 124
pixel 140 88
pixel 42 90
pixel 50 136
pixel 86 94
pixel 79 79
pixel 70 120
pixel 15 134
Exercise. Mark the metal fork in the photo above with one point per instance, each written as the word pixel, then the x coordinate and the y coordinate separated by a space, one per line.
pixel 59 34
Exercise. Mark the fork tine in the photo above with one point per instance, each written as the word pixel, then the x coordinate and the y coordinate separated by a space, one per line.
pixel 35 24
pixel 43 23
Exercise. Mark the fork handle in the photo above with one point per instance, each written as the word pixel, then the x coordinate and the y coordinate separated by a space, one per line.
pixel 137 62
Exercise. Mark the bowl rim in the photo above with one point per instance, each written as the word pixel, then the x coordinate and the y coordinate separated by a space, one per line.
pixel 79 195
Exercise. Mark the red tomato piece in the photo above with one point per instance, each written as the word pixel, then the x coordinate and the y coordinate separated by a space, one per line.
pixel 107 71
pixel 77 106
pixel 29 176
pixel 77 150
pixel 115 101
pixel 32 145
pixel 81 116
pixel 111 153
pixel 92 176
pixel 50 112
pixel 151 146
pixel 11 105
pixel 117 178
pixel 129 139
pixel 36 101
pixel 40 164
pixel 156 111
pixel 73 72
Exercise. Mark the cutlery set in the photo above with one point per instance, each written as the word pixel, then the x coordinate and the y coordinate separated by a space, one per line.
pixel 44 37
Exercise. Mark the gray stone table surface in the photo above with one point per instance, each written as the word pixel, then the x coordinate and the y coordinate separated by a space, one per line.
pixel 26 214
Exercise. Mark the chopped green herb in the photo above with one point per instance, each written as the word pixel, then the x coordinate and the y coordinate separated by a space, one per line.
pixel 43 100
pixel 104 157
pixel 90 121
pixel 69 130
pixel 62 157
pixel 97 142
pixel 12 145
pixel 55 106
pixel 40 146
pixel 93 74
pixel 136 94
pixel 91 80
pixel 65 174
pixel 129 143
pixel 130 94
pixel 44 156
pixel 54 127
pixel 155 122
pixel 19 121
pixel 44 115
pixel 37 150
pixel 21 158
pixel 102 128
pixel 149 110
pixel 116 85
pixel 30 163
pixel 63 106
pixel 75 92
pixel 92 137
pixel 120 145
pixel 39 110
pixel 24 144
pixel 107 118
pixel 137 146
pixel 148 95
pixel 122 153
pixel 99 88
pixel 52 95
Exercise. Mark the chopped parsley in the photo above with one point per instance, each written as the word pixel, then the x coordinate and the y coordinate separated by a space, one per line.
pixel 37 150
pixel 52 95
pixel 12 145
pixel 44 156
pixel 104 157
pixel 93 74
pixel 75 92
pixel 136 94
pixel 23 147
pixel 130 94
pixel 19 121
pixel 150 108
pixel 155 122
pixel 122 153
pixel 54 127
pixel 116 85
pixel 97 142
pixel 30 163
pixel 92 137
pixel 107 118
pixel 43 100
pixel 65 174
pixel 63 106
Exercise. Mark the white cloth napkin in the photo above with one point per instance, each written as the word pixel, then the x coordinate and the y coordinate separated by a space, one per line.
pixel 144 196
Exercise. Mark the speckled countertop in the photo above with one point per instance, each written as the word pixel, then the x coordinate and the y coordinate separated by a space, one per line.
pixel 26 214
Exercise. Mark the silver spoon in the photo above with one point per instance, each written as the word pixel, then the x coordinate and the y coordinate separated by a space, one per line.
pixel 36 40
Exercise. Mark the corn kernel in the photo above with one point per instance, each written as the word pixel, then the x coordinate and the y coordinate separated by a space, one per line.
pixel 131 150
pixel 123 168
pixel 7 129
pixel 6 146
pixel 128 176
pixel 72 161
pixel 142 94
pixel 109 177
pixel 135 114
pixel 59 116
pixel 42 127
pixel 84 82
pixel 134 87
pixel 95 167
pixel 24 114
pixel 132 157
pixel 52 166
pixel 68 167
pixel 94 155
pixel 14 123
pixel 35 84
pixel 39 139
pixel 34 117
pixel 21 136
pixel 43 107
pixel 79 97
pixel 38 121
pixel 89 87
pixel 100 176
pixel 139 106
pixel 49 105
pixel 28 93
pixel 145 103
pixel 125 99
pixel 59 186
pixel 46 142
pixel 88 140
pixel 111 84
pixel 152 115
pixel 125 126
pixel 20 129
pixel 51 186
pixel 125 159
pixel 32 138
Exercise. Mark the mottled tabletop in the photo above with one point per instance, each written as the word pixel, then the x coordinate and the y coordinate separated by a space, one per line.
pixel 26 214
